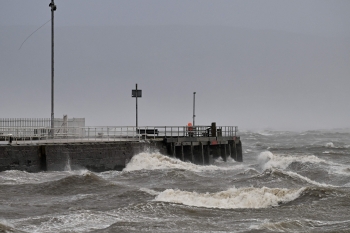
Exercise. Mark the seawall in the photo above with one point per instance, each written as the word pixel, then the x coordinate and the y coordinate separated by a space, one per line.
pixel 100 156
pixel 104 155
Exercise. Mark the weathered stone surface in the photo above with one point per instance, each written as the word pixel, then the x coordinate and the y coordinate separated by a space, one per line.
pixel 103 156
pixel 21 157
pixel 58 157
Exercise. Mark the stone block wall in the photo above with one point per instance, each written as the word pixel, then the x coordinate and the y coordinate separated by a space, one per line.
pixel 57 157
pixel 20 157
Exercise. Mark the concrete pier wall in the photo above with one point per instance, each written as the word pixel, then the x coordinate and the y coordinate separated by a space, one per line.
pixel 100 156
pixel 103 156
pixel 24 158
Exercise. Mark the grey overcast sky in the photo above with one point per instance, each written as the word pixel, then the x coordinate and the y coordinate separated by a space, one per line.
pixel 256 64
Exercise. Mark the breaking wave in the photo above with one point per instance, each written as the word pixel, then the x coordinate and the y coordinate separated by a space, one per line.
pixel 232 198
pixel 7 227
pixel 268 160
pixel 16 177
pixel 153 161
pixel 289 175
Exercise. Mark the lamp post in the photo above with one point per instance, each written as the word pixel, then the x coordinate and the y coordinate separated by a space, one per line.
pixel 53 8
pixel 194 106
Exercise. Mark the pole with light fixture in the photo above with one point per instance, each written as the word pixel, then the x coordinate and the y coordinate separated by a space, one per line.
pixel 194 106
pixel 53 8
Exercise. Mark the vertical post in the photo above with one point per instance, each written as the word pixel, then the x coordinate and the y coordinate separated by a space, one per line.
pixel 174 150
pixel 210 157
pixel 137 124
pixel 182 152
pixel 202 153
pixel 53 8
pixel 213 129
pixel 192 154
pixel 194 107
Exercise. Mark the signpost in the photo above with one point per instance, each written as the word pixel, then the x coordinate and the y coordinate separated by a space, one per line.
pixel 137 94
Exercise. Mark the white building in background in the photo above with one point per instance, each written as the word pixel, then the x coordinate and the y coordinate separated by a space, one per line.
pixel 39 127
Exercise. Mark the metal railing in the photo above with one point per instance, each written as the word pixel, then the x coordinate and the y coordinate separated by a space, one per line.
pixel 110 133
pixel 40 122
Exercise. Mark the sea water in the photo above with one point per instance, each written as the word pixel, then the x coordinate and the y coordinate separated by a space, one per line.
pixel 288 182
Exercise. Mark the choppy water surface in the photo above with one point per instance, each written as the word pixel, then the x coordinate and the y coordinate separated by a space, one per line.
pixel 288 182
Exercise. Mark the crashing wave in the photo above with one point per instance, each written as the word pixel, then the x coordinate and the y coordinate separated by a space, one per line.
pixel 232 198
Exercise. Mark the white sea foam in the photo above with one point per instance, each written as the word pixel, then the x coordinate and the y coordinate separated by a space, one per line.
pixel 268 160
pixel 296 175
pixel 283 226
pixel 109 175
pixel 153 161
pixel 339 169
pixel 22 177
pixel 232 198
pixel 330 145
pixel 291 225
pixel 4 222
pixel 265 133
pixel 80 221
pixel 149 191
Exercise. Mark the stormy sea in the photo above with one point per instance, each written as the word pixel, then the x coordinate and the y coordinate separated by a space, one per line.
pixel 288 182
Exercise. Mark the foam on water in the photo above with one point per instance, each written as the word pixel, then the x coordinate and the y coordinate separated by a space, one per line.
pixel 149 191
pixel 268 160
pixel 109 175
pixel 330 145
pixel 80 221
pixel 340 170
pixel 7 227
pixel 296 175
pixel 232 198
pixel 289 225
pixel 338 146
pixel 153 161
pixel 15 177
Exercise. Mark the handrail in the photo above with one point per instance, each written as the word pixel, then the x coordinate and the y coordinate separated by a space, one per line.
pixel 112 133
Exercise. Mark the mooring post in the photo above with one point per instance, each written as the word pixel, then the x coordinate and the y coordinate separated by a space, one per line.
pixel 182 152
pixel 235 150
pixel 229 149
pixel 222 153
pixel 213 129
pixel 239 151
pixel 210 157
pixel 202 153
pixel 174 150
pixel 192 155
pixel 225 152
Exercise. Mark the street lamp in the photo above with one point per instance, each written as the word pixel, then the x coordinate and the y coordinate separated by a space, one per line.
pixel 53 8
pixel 194 106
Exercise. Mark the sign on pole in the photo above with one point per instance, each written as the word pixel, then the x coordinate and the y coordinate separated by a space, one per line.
pixel 137 94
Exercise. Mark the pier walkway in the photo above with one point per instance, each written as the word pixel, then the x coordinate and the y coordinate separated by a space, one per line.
pixel 111 148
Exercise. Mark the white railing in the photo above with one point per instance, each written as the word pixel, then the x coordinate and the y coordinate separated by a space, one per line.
pixel 110 133
pixel 41 122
